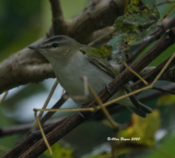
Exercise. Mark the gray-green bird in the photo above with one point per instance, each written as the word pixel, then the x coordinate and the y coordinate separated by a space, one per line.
pixel 71 61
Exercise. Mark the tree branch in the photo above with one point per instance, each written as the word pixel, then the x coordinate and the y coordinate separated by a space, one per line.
pixel 5 131
pixel 81 27
pixel 58 22
pixel 68 124
pixel 22 68
pixel 99 14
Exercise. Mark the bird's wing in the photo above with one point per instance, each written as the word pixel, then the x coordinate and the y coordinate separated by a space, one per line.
pixel 136 106
pixel 100 62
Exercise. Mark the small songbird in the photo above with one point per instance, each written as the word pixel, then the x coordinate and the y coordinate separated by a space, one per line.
pixel 71 61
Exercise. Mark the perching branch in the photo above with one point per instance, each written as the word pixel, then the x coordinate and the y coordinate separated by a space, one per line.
pixel 68 124
pixel 5 131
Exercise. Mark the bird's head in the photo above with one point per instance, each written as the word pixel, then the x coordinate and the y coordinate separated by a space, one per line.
pixel 56 46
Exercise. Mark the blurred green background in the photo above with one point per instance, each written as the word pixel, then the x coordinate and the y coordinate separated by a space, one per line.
pixel 23 22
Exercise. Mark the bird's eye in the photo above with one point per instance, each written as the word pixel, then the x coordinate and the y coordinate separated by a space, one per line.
pixel 55 45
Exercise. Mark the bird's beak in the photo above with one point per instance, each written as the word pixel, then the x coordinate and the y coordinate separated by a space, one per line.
pixel 34 47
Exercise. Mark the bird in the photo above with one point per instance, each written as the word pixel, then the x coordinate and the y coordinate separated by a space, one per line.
pixel 72 60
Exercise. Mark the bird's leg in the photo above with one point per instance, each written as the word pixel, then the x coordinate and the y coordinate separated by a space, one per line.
pixel 139 108
pixel 135 73
pixel 42 132
pixel 3 97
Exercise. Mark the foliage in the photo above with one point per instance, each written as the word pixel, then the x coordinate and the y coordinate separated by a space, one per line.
pixel 165 150
pixel 60 151
pixel 104 51
pixel 144 128
pixel 133 28
pixel 167 99
pixel 21 15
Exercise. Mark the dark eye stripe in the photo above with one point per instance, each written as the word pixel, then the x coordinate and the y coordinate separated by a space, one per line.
pixel 50 45
pixel 56 38
pixel 55 45
pixel 56 41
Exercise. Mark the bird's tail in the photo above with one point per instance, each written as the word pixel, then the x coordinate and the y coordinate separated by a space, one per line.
pixel 132 103
pixel 139 108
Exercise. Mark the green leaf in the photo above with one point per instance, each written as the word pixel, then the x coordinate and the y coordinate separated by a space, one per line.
pixel 149 3
pixel 104 155
pixel 168 99
pixel 104 51
pixel 142 128
pixel 60 151
pixel 116 43
pixel 134 27
pixel 165 151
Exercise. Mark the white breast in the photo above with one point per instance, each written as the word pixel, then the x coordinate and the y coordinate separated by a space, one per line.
pixel 71 73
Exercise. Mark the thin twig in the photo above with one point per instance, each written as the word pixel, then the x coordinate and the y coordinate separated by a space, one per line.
pixel 135 73
pixel 42 133
pixel 149 76
pixel 158 93
pixel 113 124
pixel 59 103
pixel 49 96
pixel 36 147
pixel 3 97
pixel 25 127
pixel 46 102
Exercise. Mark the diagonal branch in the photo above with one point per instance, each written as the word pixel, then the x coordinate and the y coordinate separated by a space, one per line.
pixel 68 124
pixel 23 67
pixel 98 14
pixel 138 65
